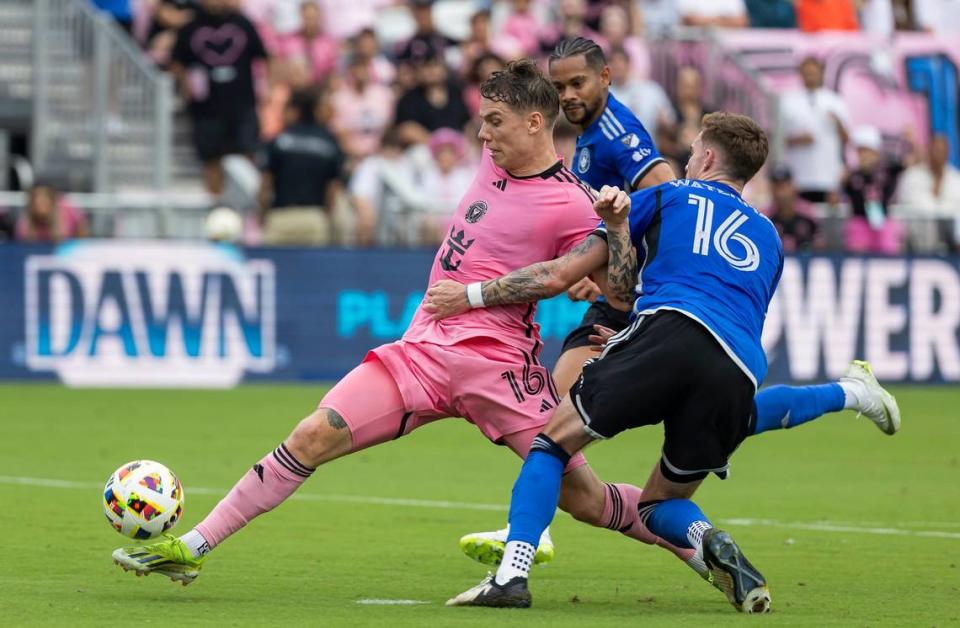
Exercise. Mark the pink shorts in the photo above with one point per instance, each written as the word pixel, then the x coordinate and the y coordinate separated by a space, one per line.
pixel 400 386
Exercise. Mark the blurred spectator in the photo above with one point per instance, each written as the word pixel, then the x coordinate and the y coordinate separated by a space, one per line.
pixel 303 169
pixel 870 187
pixel 643 97
pixel 169 17
pixel 48 217
pixel 362 109
pixel 615 29
pixel 572 23
pixel 689 109
pixel 482 69
pixel 479 42
pixel 436 102
pixel 791 215
pixel 310 43
pixel 815 121
pixel 941 17
pixel 366 46
pixel 386 192
pixel 213 59
pixel 932 190
pixel 522 27
pixel 659 17
pixel 427 42
pixel 347 18
pixel 119 10
pixel 286 76
pixel 721 13
pixel 876 17
pixel 826 15
pixel 771 13
pixel 447 178
pixel 7 225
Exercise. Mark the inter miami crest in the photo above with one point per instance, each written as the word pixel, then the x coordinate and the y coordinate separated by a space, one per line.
pixel 476 211
pixel 583 163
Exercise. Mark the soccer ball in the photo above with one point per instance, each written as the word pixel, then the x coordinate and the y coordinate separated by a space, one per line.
pixel 143 499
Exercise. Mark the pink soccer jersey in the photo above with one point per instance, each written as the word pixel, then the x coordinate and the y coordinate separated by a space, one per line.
pixel 504 223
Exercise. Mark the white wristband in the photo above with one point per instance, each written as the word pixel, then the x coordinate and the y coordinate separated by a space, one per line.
pixel 475 294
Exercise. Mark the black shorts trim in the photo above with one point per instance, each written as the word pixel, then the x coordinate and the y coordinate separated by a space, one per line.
pixel 599 313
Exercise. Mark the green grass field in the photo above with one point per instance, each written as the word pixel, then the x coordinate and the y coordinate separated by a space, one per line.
pixel 851 527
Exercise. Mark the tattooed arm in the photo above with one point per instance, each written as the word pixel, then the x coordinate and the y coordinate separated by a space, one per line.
pixel 538 281
pixel 613 206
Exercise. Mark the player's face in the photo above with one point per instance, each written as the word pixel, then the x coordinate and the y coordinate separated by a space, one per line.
pixel 582 88
pixel 506 134
pixel 701 159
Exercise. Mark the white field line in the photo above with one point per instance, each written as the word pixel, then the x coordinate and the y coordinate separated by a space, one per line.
pixel 818 526
pixel 379 602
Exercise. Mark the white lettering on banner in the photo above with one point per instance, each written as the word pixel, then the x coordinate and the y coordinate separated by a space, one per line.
pixel 883 318
pixel 149 314
pixel 934 319
pixel 813 319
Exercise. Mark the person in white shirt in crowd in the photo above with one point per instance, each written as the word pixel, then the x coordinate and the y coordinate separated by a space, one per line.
pixel 645 98
pixel 659 17
pixel 387 194
pixel 929 190
pixel 816 121
pixel 719 13
pixel 447 176
pixel 940 17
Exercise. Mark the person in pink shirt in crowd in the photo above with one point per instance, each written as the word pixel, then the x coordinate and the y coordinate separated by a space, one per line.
pixel 48 217
pixel 311 43
pixel 572 24
pixel 522 207
pixel 615 28
pixel 348 17
pixel 447 176
pixel 523 27
pixel 480 42
pixel 362 110
pixel 482 69
pixel 366 45
pixel 286 77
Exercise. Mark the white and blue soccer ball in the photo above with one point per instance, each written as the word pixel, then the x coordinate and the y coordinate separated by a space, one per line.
pixel 143 499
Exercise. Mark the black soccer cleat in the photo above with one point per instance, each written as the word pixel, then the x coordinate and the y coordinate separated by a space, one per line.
pixel 513 594
pixel 732 573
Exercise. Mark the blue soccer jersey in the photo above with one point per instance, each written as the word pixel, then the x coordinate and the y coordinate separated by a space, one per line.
pixel 710 256
pixel 615 150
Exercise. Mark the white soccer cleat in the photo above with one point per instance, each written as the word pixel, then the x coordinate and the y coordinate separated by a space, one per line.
pixel 487 547
pixel 873 401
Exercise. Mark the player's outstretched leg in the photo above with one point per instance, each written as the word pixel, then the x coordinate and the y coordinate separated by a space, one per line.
pixel 783 407
pixel 375 407
pixel 683 523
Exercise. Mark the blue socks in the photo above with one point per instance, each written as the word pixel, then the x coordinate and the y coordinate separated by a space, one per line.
pixel 536 491
pixel 783 407
pixel 679 521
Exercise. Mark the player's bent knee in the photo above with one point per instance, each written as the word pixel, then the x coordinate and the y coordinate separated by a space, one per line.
pixel 319 438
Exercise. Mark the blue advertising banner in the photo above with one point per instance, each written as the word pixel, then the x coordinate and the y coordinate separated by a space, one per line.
pixel 174 314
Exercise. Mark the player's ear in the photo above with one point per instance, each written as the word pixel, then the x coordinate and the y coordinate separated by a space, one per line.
pixel 605 76
pixel 535 122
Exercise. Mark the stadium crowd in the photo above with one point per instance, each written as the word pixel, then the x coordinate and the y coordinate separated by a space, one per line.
pixel 364 142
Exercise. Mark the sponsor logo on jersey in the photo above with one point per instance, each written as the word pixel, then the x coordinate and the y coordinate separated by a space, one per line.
pixel 583 162
pixel 476 211
pixel 149 314
pixel 630 140
pixel 640 155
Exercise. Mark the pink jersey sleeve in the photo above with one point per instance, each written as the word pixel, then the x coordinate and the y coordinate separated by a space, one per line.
pixel 579 220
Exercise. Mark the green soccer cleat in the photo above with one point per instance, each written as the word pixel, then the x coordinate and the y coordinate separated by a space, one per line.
pixel 487 547
pixel 874 402
pixel 168 557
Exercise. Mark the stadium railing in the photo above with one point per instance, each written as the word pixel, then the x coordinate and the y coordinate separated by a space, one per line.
pixel 102 113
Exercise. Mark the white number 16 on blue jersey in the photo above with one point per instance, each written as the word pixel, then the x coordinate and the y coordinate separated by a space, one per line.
pixel 721 237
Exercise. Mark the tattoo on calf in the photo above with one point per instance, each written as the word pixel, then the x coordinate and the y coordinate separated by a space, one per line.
pixel 335 420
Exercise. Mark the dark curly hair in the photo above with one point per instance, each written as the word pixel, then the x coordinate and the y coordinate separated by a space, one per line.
pixel 524 88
